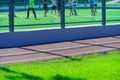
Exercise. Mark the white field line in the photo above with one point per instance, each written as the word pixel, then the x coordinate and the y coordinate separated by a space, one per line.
pixel 56 49
pixel 83 26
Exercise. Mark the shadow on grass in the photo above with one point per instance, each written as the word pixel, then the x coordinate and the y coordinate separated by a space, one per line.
pixel 60 77
pixel 23 76
pixel 13 75
pixel 73 59
pixel 76 59
pixel 4 69
pixel 64 60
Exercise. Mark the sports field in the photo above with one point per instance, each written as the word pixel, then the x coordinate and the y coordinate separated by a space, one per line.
pixel 53 21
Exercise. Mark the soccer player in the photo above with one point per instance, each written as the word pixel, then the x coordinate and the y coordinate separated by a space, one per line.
pixel 92 7
pixel 54 6
pixel 45 7
pixel 95 6
pixel 31 7
pixel 70 6
pixel 58 6
pixel 74 7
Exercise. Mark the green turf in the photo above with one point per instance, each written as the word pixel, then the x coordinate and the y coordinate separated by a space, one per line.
pixel 89 67
pixel 83 16
pixel 113 5
pixel 100 4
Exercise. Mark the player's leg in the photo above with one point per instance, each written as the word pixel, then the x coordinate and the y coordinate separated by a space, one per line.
pixel 59 10
pixel 71 12
pixel 14 12
pixel 74 9
pixel 28 12
pixel 95 7
pixel 44 8
pixel 52 10
pixel 55 10
pixel 45 12
pixel 33 10
pixel 75 13
pixel 92 9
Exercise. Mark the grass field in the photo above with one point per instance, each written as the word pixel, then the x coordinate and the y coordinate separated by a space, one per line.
pixel 83 17
pixel 88 67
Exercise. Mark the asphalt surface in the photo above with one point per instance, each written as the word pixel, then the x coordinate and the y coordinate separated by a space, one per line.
pixel 58 50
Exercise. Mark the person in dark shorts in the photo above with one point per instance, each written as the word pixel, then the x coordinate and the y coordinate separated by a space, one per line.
pixel 95 6
pixel 45 7
pixel 54 6
pixel 31 7
pixel 70 6
pixel 92 7
pixel 58 6
pixel 74 5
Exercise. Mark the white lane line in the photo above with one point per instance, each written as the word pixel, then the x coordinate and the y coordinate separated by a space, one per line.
pixel 12 54
pixel 102 43
pixel 26 60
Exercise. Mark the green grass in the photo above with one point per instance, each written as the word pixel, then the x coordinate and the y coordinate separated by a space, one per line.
pixel 100 4
pixel 89 67
pixel 83 16
pixel 113 5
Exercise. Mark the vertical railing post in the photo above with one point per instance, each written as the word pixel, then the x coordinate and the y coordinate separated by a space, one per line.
pixel 24 4
pixel 103 12
pixel 62 13
pixel 85 3
pixel 11 16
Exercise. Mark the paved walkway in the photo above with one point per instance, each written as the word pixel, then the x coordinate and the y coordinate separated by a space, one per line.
pixel 58 50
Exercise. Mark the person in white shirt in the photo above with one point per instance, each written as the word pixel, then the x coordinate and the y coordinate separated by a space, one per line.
pixel 70 6
pixel 74 4
pixel 54 6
